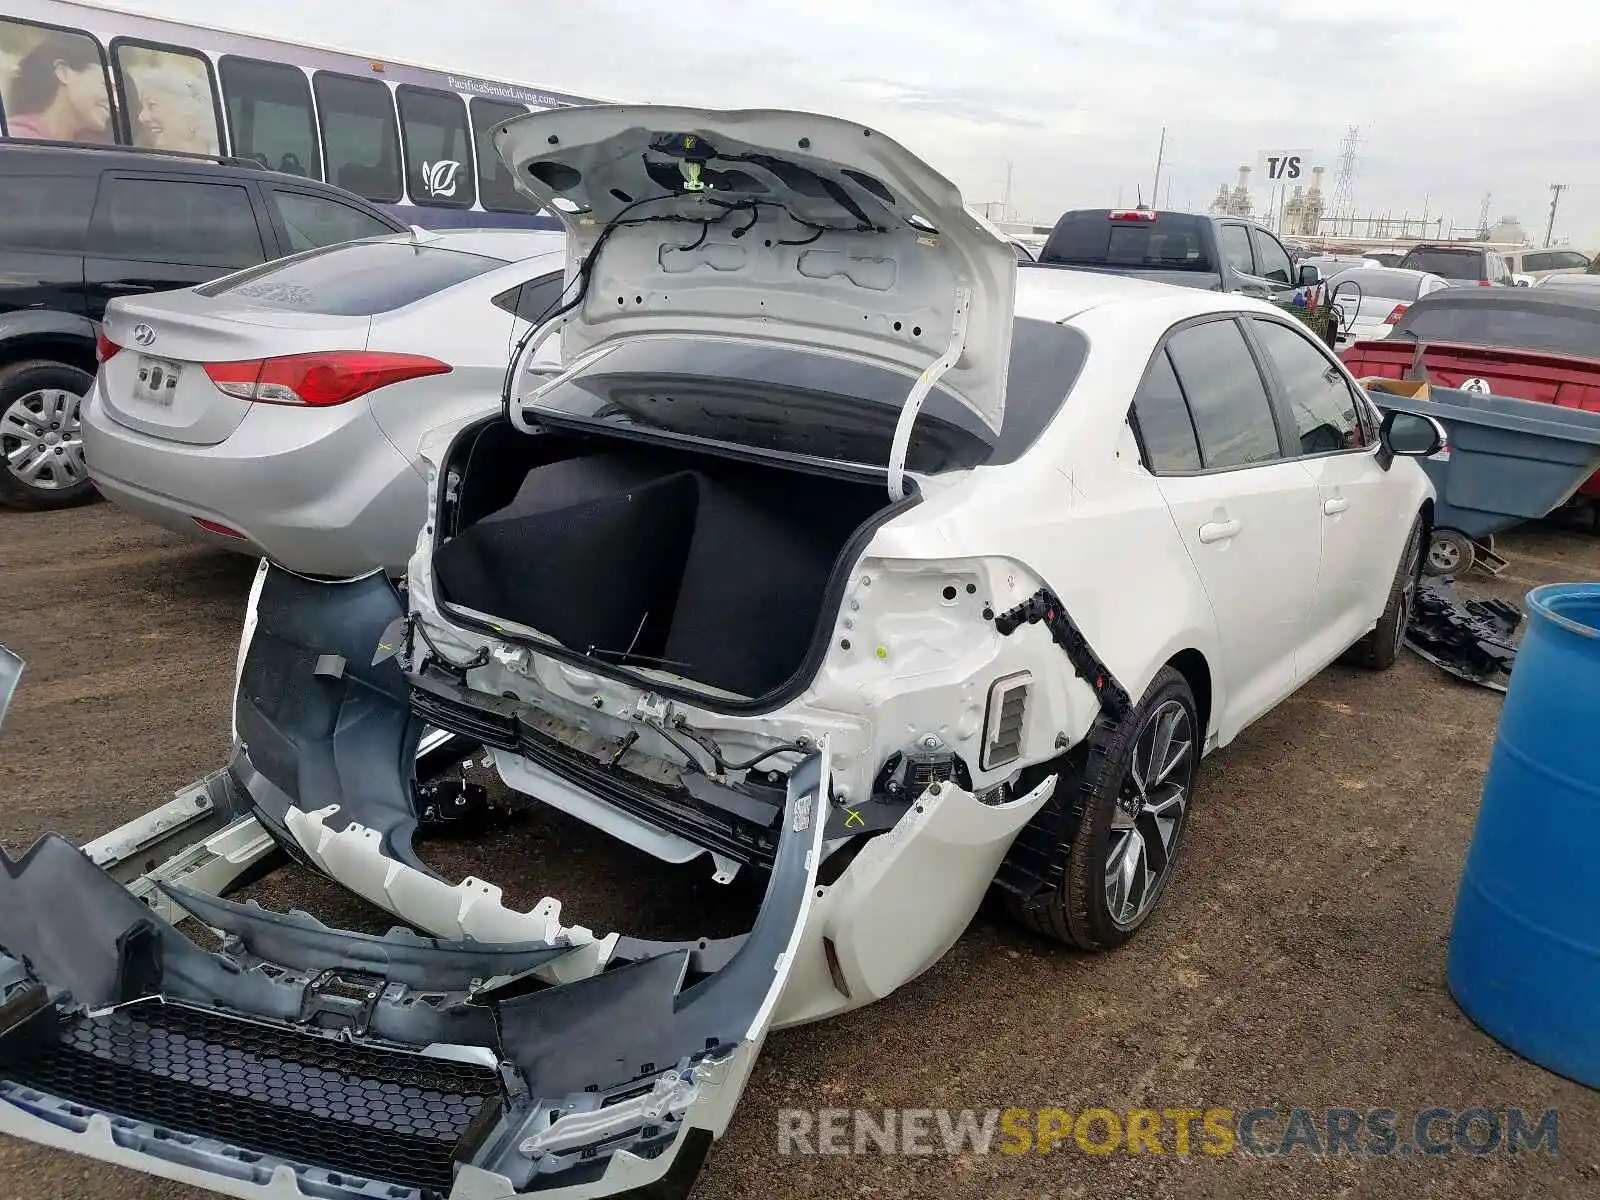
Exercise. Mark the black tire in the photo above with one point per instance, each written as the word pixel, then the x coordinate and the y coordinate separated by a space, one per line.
pixel 1381 647
pixel 1450 552
pixel 1078 909
pixel 65 484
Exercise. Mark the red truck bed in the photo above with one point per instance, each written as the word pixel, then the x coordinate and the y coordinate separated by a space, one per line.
pixel 1567 380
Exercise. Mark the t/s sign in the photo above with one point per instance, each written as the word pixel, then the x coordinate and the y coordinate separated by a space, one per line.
pixel 1284 166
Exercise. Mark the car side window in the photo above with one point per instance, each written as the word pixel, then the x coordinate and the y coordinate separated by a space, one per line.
pixel 46 212
pixel 1227 398
pixel 1271 260
pixel 1236 248
pixel 1537 261
pixel 1319 395
pixel 532 300
pixel 312 221
pixel 172 221
pixel 1162 422
pixel 1570 258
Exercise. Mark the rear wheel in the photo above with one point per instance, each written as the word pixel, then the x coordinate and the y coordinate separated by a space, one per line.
pixel 1380 648
pixel 1125 822
pixel 41 438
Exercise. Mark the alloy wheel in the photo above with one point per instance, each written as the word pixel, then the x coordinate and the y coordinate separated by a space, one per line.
pixel 41 439
pixel 1408 587
pixel 1148 818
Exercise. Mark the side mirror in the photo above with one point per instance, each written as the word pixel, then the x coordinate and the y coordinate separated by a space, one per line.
pixel 1521 281
pixel 1310 275
pixel 1410 435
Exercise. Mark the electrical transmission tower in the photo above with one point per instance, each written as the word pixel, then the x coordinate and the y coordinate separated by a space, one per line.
pixel 1344 187
pixel 1483 217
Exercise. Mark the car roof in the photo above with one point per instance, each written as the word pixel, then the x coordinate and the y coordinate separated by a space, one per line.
pixel 512 245
pixel 1535 299
pixel 1049 293
pixel 1396 272
pixel 76 158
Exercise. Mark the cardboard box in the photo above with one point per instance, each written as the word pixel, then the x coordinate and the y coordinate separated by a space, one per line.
pixel 1411 389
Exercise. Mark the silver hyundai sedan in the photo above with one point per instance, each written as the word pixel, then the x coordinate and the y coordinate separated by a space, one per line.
pixel 277 411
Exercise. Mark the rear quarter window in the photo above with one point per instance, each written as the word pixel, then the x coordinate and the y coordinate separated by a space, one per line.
pixel 357 279
pixel 46 212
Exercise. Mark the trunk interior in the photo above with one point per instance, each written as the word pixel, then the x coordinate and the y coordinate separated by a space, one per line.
pixel 721 572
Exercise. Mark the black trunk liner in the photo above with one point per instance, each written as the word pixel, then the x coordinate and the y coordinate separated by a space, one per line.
pixel 713 570
pixel 376 1114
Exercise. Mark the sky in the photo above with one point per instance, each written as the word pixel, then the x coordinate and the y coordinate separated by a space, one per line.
pixel 1455 99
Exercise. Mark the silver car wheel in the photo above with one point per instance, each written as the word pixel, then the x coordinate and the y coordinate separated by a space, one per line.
pixel 1147 820
pixel 1408 587
pixel 42 439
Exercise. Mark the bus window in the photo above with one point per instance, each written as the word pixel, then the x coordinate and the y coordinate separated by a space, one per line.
pixel 360 140
pixel 438 153
pixel 53 84
pixel 494 181
pixel 168 102
pixel 269 115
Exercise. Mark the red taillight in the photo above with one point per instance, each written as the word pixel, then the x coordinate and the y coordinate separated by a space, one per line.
pixel 215 527
pixel 1485 283
pixel 1394 317
pixel 1131 214
pixel 104 347
pixel 319 380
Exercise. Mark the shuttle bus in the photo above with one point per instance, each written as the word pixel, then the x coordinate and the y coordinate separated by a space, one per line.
pixel 411 139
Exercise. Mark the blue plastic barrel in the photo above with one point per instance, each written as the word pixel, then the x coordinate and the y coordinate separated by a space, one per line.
pixel 1525 945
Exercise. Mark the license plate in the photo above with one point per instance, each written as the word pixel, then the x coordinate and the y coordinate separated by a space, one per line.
pixel 157 382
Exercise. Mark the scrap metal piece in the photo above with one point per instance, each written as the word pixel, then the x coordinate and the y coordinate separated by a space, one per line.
pixel 1470 639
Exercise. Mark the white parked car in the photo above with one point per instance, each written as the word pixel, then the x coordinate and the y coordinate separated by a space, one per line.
pixel 838 551
pixel 1371 300
pixel 277 411
pixel 1537 263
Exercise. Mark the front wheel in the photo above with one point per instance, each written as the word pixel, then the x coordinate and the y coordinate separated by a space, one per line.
pixel 41 439
pixel 1380 648
pixel 1125 823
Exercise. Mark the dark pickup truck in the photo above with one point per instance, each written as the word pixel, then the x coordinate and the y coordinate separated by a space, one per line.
pixel 1220 254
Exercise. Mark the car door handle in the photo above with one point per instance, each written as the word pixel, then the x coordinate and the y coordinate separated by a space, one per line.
pixel 1218 531
pixel 1334 506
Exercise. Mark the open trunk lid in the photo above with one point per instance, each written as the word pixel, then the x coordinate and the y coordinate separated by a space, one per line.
pixel 777 226
pixel 156 382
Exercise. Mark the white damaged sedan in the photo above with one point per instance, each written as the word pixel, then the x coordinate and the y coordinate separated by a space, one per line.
pixel 840 550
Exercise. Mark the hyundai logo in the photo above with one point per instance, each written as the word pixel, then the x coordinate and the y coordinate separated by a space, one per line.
pixel 143 334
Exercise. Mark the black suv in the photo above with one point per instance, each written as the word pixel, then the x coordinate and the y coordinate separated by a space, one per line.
pixel 80 225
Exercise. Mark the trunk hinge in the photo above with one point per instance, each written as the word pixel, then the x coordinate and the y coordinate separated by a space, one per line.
pixel 919 393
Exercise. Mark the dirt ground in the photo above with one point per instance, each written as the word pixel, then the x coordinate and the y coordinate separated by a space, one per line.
pixel 1297 961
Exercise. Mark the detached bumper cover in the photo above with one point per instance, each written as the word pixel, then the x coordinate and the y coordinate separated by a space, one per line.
pixel 302 1061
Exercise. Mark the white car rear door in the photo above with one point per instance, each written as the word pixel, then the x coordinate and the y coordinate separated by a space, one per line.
pixel 1247 512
